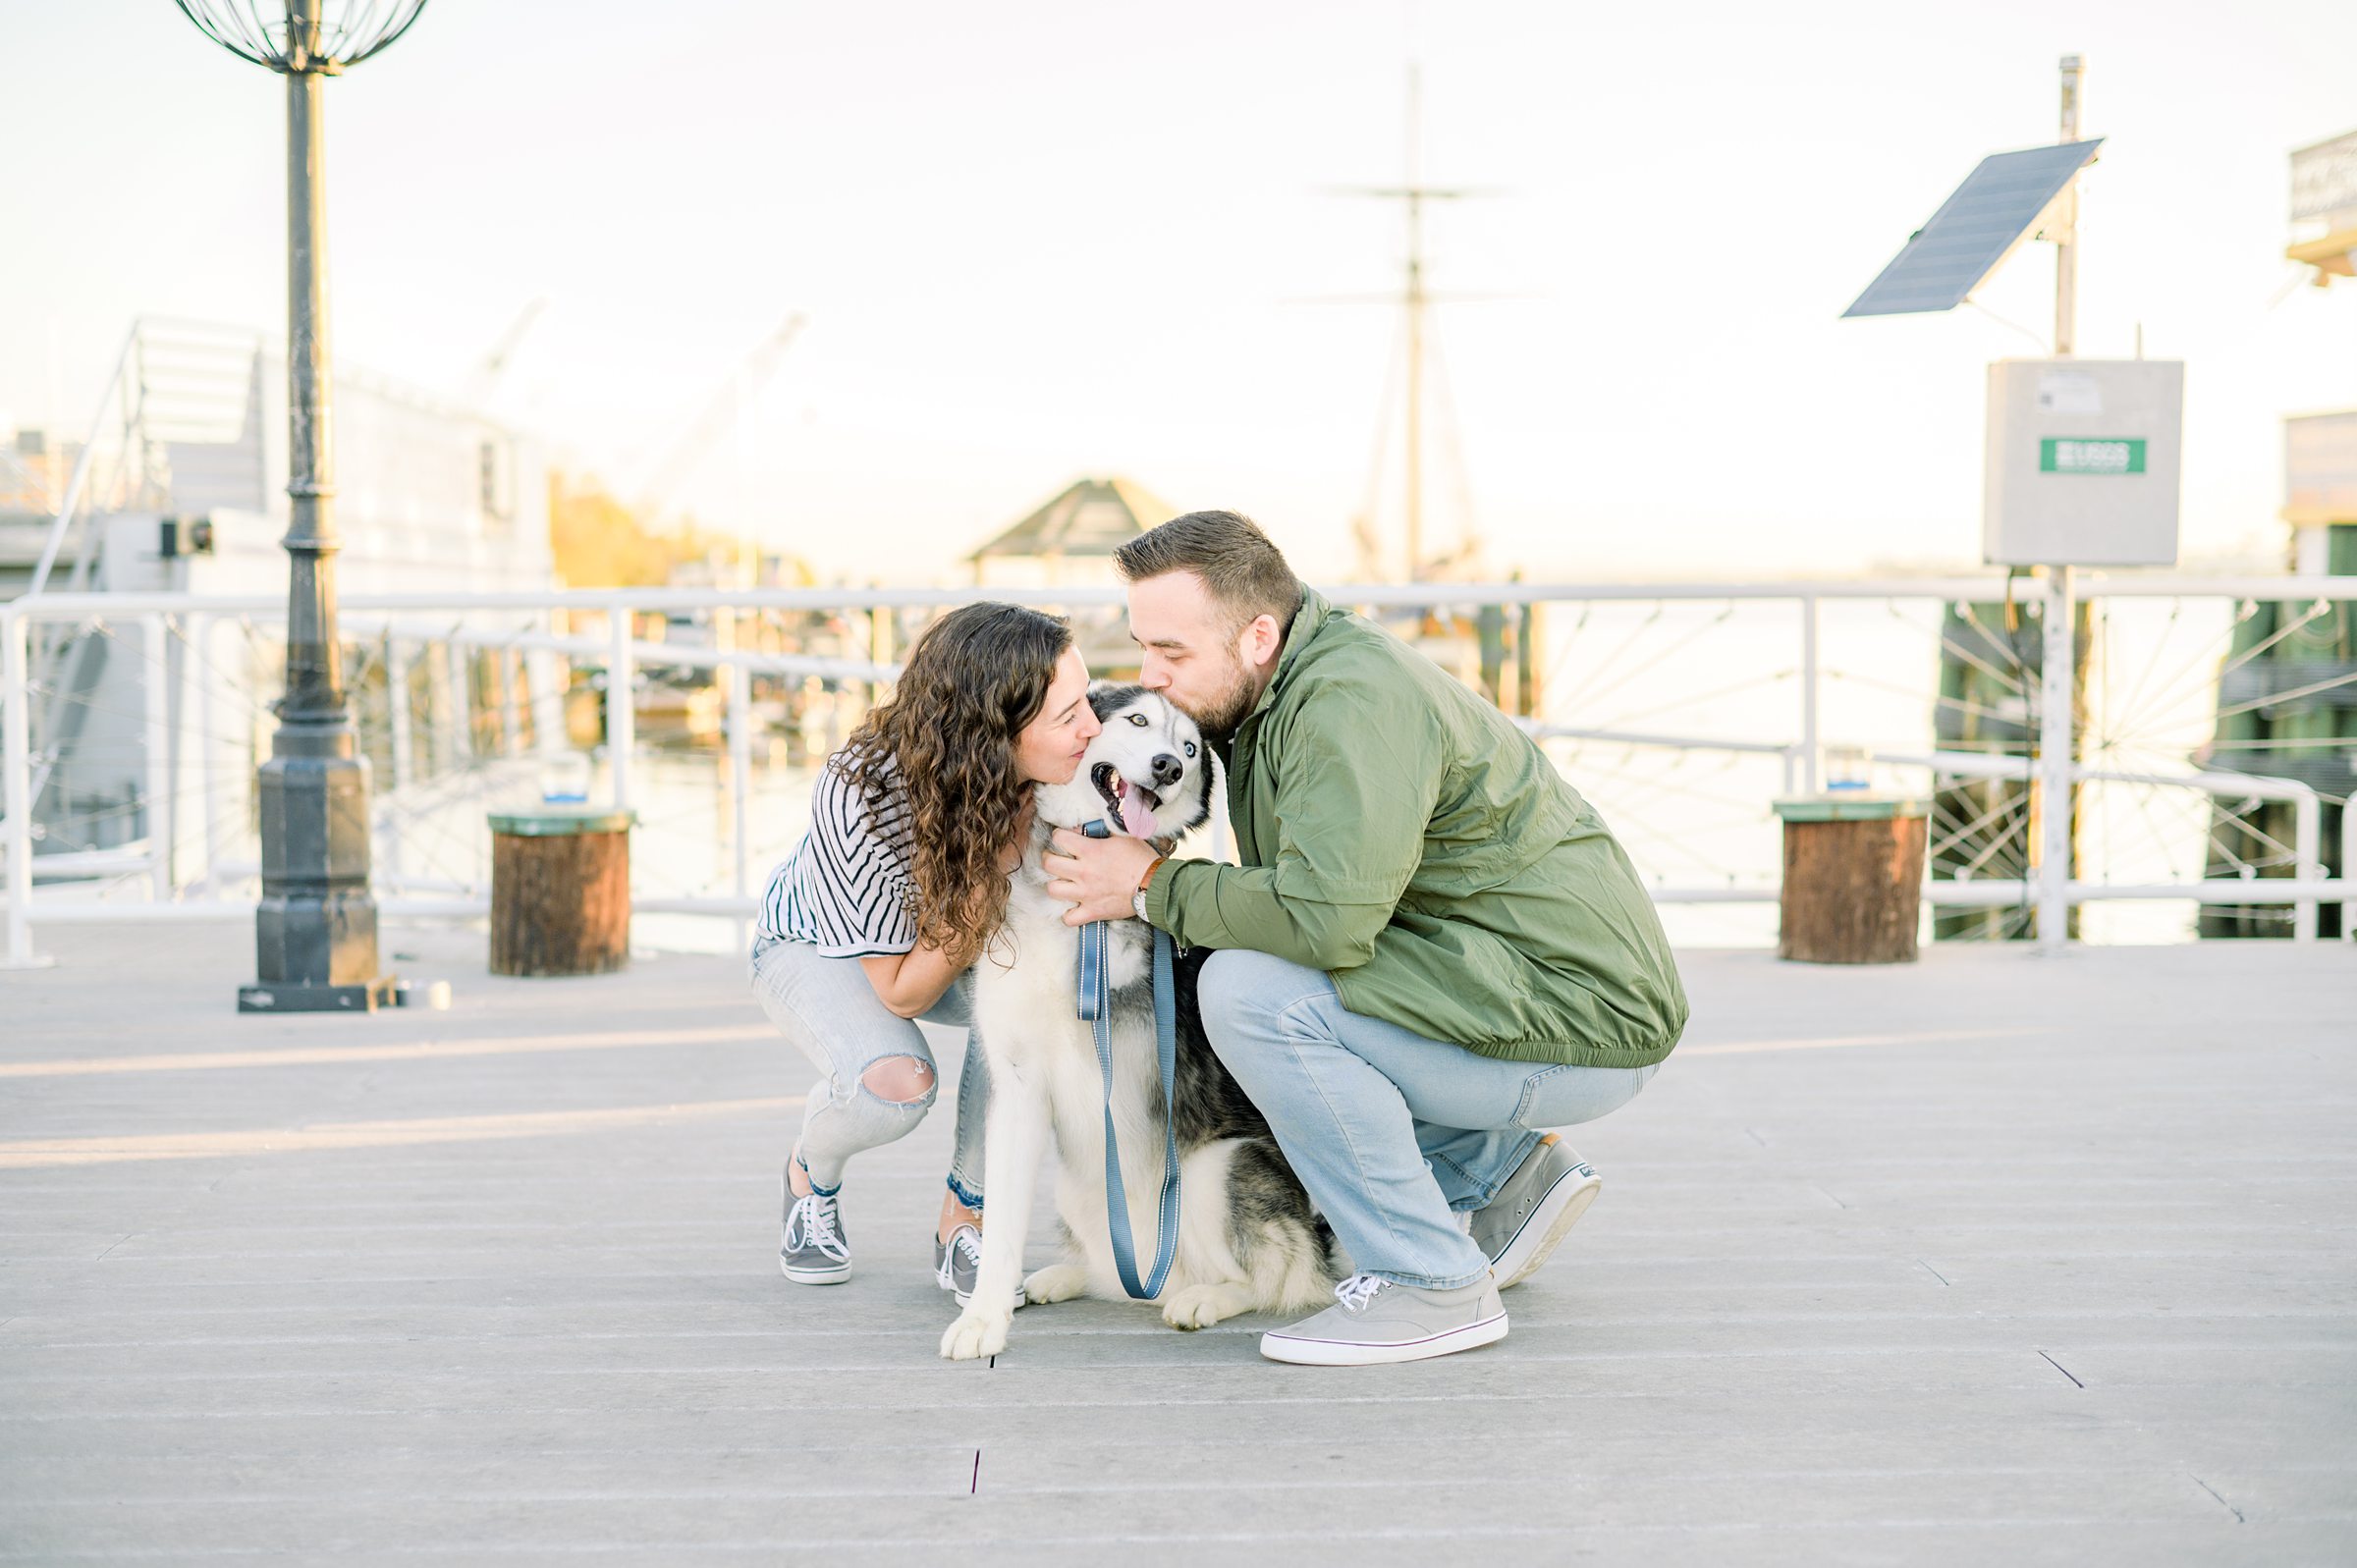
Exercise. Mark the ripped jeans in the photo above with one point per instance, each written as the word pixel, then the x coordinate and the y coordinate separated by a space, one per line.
pixel 1389 1131
pixel 827 1008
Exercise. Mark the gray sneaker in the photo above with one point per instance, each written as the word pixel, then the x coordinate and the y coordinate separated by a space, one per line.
pixel 1538 1203
pixel 956 1263
pixel 1374 1321
pixel 813 1250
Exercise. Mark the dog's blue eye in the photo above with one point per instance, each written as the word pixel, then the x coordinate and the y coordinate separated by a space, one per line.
pixel 1138 719
pixel 1190 749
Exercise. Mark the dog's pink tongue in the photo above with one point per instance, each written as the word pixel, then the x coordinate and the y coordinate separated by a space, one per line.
pixel 1136 819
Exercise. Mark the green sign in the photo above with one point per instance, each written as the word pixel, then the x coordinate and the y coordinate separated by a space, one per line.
pixel 2090 455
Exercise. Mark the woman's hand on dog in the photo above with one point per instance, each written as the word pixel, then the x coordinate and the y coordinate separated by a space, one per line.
pixel 1097 877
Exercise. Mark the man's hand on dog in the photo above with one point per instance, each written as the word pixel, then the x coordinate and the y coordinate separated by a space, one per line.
pixel 1097 877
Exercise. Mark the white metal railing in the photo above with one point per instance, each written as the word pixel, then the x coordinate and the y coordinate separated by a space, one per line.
pixel 524 618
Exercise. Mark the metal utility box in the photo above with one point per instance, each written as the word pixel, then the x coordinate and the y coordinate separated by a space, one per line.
pixel 2082 462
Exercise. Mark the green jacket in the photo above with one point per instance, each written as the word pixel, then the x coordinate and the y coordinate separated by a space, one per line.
pixel 1400 834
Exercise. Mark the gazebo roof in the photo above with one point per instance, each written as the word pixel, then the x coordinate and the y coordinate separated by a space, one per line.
pixel 1091 517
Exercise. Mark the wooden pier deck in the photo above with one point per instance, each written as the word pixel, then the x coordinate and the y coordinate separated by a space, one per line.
pixel 1987 1259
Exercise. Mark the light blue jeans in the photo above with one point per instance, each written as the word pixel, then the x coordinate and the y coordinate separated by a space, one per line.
pixel 1391 1132
pixel 827 1009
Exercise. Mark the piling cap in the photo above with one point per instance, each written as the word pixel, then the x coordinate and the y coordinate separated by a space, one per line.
pixel 1847 807
pixel 555 821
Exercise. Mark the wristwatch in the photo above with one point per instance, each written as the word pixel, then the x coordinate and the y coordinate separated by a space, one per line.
pixel 1137 899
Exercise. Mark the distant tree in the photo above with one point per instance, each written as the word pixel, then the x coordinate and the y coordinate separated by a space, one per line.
pixel 599 542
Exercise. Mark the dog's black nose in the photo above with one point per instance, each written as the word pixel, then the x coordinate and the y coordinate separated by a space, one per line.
pixel 1168 771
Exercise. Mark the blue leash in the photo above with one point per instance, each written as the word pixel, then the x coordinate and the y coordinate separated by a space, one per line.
pixel 1096 1008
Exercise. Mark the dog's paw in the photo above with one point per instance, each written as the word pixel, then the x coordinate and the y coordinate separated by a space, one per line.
pixel 1201 1305
pixel 973 1336
pixel 1058 1281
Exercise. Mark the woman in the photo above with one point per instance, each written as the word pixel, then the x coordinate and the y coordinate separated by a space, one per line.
pixel 899 886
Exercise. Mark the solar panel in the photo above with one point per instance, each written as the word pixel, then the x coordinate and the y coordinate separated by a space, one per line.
pixel 1973 231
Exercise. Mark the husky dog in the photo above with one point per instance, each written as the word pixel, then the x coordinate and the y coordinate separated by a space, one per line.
pixel 1249 1238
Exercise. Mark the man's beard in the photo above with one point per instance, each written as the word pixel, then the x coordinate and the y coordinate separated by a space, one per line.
pixel 1224 710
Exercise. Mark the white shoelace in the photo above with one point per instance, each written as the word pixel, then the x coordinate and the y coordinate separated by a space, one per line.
pixel 818 1225
pixel 1356 1291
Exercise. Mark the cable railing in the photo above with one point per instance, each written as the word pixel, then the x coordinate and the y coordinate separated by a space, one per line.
pixel 1683 710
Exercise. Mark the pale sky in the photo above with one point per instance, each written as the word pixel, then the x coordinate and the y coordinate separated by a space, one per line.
pixel 1059 238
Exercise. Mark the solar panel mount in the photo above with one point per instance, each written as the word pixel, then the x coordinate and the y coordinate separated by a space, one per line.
pixel 1975 230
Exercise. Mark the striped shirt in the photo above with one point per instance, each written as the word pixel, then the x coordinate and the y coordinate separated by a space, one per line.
pixel 847 887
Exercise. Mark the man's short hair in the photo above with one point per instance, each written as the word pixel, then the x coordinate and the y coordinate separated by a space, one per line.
pixel 1245 572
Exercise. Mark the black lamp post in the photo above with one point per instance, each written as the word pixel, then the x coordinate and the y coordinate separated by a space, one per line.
pixel 315 929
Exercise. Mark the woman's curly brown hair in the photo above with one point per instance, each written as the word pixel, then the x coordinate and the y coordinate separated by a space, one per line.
pixel 974 680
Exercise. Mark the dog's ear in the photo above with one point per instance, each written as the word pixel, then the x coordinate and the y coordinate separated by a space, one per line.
pixel 1211 771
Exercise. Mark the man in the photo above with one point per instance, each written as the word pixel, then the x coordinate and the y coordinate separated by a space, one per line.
pixel 1432 953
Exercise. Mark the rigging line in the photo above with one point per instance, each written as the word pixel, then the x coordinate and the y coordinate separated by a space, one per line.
pixel 2015 681
pixel 1597 695
pixel 1570 644
pixel 1775 678
pixel 2293 695
pixel 190 835
pixel 1948 644
pixel 2045 349
pixel 1595 670
pixel 2099 674
pixel 2018 676
pixel 1369 521
pixel 1946 817
pixel 129 716
pixel 2290 284
pixel 1954 843
pixel 2234 860
pixel 2271 853
pixel 134 803
pixel 444 830
pixel 2009 862
pixel 1973 794
pixel 2155 830
pixel 2003 645
pixel 1748 810
pixel 2193 679
pixel 2128 705
pixel 2178 688
pixel 1453 443
pixel 131 751
pixel 2119 750
pixel 467 869
pixel 2284 854
pixel 2016 863
pixel 2001 809
pixel 1961 704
